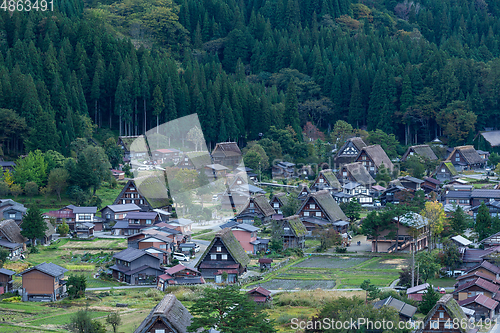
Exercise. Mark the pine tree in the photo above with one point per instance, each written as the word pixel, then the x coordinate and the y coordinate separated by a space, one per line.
pixel 291 116
pixel 158 105
pixel 34 225
pixel 356 109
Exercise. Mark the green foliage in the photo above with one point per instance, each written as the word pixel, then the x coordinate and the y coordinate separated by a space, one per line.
pixel 372 291
pixel 4 254
pixel 63 229
pixel 429 299
pixel 351 209
pixel 81 322
pixel 34 225
pixel 327 237
pixel 459 221
pixel 428 264
pixel 483 222
pixel 114 152
pixel 31 189
pixel 77 285
pixel 450 256
pixel 114 320
pixel 383 177
pixel 31 168
pixel 414 166
pixel 291 205
pixel 229 310
pixel 373 225
pixel 256 158
pixel 58 181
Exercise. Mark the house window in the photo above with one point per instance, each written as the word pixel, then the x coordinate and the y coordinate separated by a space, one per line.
pixel 318 213
pixel 372 168
pixel 457 159
pixel 123 202
pixel 238 182
pixel 434 325
pixel 252 204
pixel 344 173
pixel 452 201
pixel 219 249
pixel 163 246
pixel 142 201
pixel 443 170
pixel 213 256
pixel 457 155
pixel 306 213
pixel 441 314
pixel 276 205
pixel 224 257
pixel 132 188
pixel 108 216
pixel 159 331
pixel 148 221
pixel 117 216
pixel 321 180
pixel 312 206
pixel 12 216
pixel 185 159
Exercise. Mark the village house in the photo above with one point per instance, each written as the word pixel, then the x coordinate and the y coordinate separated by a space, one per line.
pixel 134 147
pixel 118 174
pixel 483 306
pixel 355 172
pixel 405 311
pixel 260 295
pixel 6 280
pixel 466 158
pixel 44 282
pixel 445 171
pixel 11 210
pixel 185 226
pixel 405 228
pixel 11 238
pixel 320 209
pixel 416 293
pixel 165 156
pixel 326 180
pixel 133 222
pixel 423 151
pixel 348 152
pixel 118 212
pixel 460 241
pixel 292 232
pixel 134 266
pixel 304 192
pixel 194 160
pixel 492 241
pixel 478 196
pixel 169 315
pixel 493 208
pixel 224 254
pixel 357 191
pixel 284 170
pixel 466 278
pixel 411 183
pixel 487 268
pixel 163 238
pixel 394 194
pixel 227 154
pixel 256 208
pixel 475 287
pixel 278 201
pixel 265 263
pixel 461 198
pixel 179 275
pixel 443 315
pixel 373 157
pixel 148 193
pixel 431 185
pixel 215 171
pixel 246 234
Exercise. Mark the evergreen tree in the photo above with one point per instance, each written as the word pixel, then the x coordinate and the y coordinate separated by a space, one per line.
pixel 483 222
pixel 34 225
pixel 291 116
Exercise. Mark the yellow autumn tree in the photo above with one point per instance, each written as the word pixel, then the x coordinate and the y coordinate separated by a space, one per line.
pixel 8 178
pixel 434 212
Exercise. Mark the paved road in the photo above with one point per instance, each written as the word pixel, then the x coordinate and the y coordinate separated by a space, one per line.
pixel 122 287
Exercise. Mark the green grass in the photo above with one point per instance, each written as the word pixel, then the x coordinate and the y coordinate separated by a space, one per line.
pixel 108 195
pixel 443 282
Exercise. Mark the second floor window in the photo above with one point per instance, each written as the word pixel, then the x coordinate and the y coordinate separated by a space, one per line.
pixel 312 206
pixel 224 257
pixel 219 249
pixel 213 256
pixel 148 221
pixel 12 215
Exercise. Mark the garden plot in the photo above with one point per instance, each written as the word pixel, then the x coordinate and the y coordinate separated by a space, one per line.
pixel 331 262
pixel 381 263
pixel 298 284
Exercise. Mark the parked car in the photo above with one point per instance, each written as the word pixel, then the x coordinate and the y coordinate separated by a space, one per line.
pixel 180 256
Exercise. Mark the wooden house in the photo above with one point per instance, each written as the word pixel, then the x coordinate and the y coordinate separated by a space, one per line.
pixel 423 151
pixel 320 209
pixel 223 254
pixel 487 268
pixel 44 282
pixel 179 275
pixel 245 234
pixel 483 306
pixel 416 293
pixel 11 210
pixel 466 278
pixel 118 212
pixel 11 238
pixel 411 228
pixel 358 191
pixel 411 183
pixel 278 201
pixel 491 241
pixel 6 280
pixel 134 266
pixel 466 158
pixel 215 171
pixel 443 315
pixel 373 157
pixel 355 172
pixel 163 156
pixel 227 154
pixel 260 295
pixel 265 263
pixel 256 208
pixel 348 152
pixel 460 241
pixel 405 311
pixel 148 193
pixel 445 171
pixel 283 170
pixel 460 198
pixel 326 180
pixel 134 222
pixel 478 196
pixel 304 192
pixel 118 174
pixel 133 147
pixel 159 239
pixel 194 160
pixel 169 315
pixel 292 232
pixel 479 286
pixel 184 226
pixel 431 185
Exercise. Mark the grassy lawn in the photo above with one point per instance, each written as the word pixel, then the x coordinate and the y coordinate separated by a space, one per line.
pixel 442 282
pixel 207 236
pixel 107 194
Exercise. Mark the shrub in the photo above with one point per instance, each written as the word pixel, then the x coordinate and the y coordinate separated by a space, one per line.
pixel 154 293
pixel 31 189
pixel 14 299
pixel 341 249
pixel 34 249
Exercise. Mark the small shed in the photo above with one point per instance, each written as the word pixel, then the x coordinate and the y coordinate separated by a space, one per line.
pixel 260 295
pixel 6 280
pixel 265 263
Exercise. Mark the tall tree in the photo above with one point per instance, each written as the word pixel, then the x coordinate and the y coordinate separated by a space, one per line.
pixel 291 116
pixel 34 225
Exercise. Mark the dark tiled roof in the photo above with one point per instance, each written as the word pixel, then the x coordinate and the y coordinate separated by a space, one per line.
pixel 432 180
pixel 265 260
pixel 486 265
pixel 83 210
pixel 403 308
pixel 480 193
pixel 48 268
pixel 10 230
pixel 411 179
pixel 9 245
pixel 478 274
pixel 7 272
pixel 486 285
pixel 178 268
pixel 246 227
pixel 130 254
pixel 260 290
pixel 141 215
pixel 480 299
pixel 123 208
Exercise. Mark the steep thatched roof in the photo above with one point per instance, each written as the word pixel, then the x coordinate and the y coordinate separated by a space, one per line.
pixel 329 206
pixel 469 153
pixel 448 165
pixel 227 149
pixel 232 244
pixel 154 190
pixel 378 156
pixel 331 178
pixel 452 308
pixel 170 311
pixel 421 150
pixel 359 173
pixel 296 225
pixel 263 205
pixel 11 231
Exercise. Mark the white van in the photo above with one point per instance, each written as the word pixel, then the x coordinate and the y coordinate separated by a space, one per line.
pixel 180 256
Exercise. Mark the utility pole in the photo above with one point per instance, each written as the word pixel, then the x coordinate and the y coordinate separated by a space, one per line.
pixel 413 265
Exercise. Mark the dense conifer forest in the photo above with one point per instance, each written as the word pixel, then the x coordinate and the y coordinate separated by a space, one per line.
pixel 416 69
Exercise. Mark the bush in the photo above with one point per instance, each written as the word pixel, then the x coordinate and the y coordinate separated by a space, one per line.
pixel 154 293
pixel 14 299
pixel 31 189
pixel 34 249
pixel 341 249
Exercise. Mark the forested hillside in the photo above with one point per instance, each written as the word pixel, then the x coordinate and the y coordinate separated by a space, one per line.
pixel 415 69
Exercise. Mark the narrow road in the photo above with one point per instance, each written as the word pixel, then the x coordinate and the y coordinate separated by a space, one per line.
pixel 122 287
